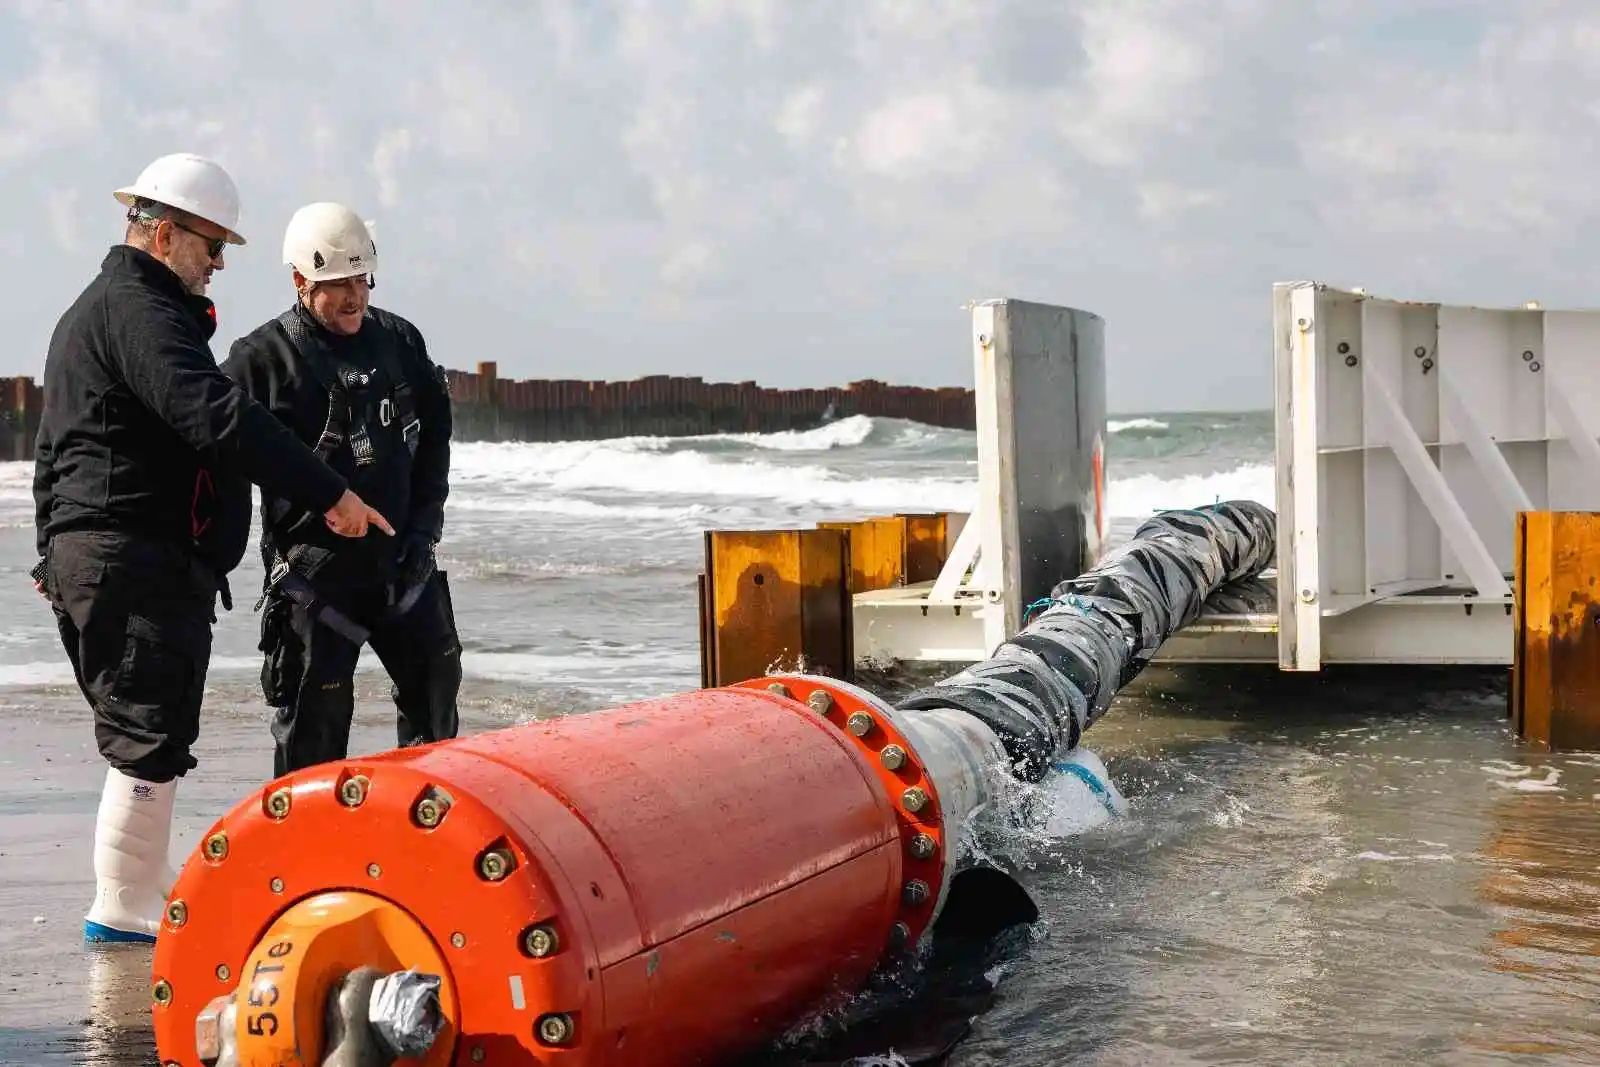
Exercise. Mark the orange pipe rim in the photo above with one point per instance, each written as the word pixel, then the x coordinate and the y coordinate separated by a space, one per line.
pixel 889 756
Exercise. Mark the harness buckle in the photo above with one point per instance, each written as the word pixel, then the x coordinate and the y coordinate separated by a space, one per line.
pixel 275 577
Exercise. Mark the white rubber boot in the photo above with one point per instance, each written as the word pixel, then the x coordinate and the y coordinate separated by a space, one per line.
pixel 131 872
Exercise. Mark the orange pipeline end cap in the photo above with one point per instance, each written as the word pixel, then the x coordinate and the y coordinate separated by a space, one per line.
pixel 299 962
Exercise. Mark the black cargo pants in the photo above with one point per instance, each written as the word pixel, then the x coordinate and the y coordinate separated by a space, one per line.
pixel 307 675
pixel 135 617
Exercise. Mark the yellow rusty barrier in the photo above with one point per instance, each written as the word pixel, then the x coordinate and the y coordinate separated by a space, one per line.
pixel 774 600
pixel 892 550
pixel 877 552
pixel 1555 683
pixel 927 545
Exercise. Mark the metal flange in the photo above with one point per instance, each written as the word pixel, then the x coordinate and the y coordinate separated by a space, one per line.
pixel 888 752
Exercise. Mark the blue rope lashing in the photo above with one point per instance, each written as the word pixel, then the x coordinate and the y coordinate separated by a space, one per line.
pixel 1038 605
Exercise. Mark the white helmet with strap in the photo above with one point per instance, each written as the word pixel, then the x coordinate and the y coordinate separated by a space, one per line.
pixel 327 241
pixel 189 183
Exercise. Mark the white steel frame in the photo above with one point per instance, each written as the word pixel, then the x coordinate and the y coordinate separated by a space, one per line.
pixel 961 615
pixel 1408 436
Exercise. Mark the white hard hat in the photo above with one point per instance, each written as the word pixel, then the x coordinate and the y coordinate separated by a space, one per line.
pixel 327 241
pixel 190 183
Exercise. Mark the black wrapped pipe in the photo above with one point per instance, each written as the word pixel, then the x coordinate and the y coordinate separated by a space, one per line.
pixel 1046 685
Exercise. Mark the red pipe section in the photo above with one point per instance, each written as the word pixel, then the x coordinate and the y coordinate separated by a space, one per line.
pixel 667 883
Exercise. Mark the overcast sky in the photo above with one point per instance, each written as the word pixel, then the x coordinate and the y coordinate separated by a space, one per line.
pixel 806 193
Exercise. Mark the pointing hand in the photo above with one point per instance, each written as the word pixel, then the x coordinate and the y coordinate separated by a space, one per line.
pixel 351 516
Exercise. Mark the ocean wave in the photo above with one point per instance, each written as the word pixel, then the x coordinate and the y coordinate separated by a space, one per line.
pixel 850 432
pixel 1143 495
pixel 501 475
pixel 855 463
pixel 58 672
pixel 514 480
pixel 694 488
pixel 1137 425
pixel 582 508
pixel 574 667
pixel 515 568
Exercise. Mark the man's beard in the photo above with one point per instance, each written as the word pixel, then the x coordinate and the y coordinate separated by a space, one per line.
pixel 194 280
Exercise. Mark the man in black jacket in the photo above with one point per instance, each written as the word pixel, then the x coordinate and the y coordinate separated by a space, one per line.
pixel 144 458
pixel 357 382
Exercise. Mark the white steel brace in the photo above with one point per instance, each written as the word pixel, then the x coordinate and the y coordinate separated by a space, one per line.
pixel 1408 436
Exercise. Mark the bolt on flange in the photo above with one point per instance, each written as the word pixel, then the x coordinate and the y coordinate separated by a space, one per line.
pixel 177 913
pixel 541 941
pixel 859 723
pixel 820 701
pixel 914 799
pixel 923 847
pixel 554 1029
pixel 353 791
pixel 893 757
pixel 278 803
pixel 430 811
pixel 217 845
pixel 162 993
pixel 495 865
pixel 915 892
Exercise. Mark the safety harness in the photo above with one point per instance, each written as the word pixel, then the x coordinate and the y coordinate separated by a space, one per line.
pixel 293 573
pixel 341 382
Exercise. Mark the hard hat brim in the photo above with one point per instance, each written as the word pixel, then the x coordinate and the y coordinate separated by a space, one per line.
pixel 332 276
pixel 128 195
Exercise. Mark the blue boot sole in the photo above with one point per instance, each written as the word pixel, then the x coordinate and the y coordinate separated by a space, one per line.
pixel 95 933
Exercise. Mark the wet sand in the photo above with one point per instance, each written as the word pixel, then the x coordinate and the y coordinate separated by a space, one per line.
pixel 61 1001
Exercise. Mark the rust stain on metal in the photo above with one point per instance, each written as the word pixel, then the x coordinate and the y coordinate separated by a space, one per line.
pixel 877 552
pixel 1555 690
pixel 772 599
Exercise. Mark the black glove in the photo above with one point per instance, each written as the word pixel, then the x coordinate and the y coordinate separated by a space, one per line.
pixel 416 562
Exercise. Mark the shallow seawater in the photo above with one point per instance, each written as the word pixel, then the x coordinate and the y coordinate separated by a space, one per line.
pixel 1357 868
pixel 1361 869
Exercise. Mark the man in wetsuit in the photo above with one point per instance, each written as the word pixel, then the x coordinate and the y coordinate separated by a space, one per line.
pixel 143 463
pixel 356 382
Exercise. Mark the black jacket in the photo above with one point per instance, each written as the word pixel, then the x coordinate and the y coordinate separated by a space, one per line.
pixel 141 432
pixel 407 489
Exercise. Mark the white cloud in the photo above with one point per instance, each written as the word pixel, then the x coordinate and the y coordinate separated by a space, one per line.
pixel 582 189
pixel 801 115
pixel 913 135
pixel 386 160
pixel 63 206
pixel 55 102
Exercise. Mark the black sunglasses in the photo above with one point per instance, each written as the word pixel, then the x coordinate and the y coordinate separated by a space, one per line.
pixel 214 245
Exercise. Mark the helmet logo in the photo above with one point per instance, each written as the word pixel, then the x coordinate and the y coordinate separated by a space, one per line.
pixel 317 261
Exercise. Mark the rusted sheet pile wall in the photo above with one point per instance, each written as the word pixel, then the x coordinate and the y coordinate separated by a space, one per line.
pixel 20 403
pixel 490 408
